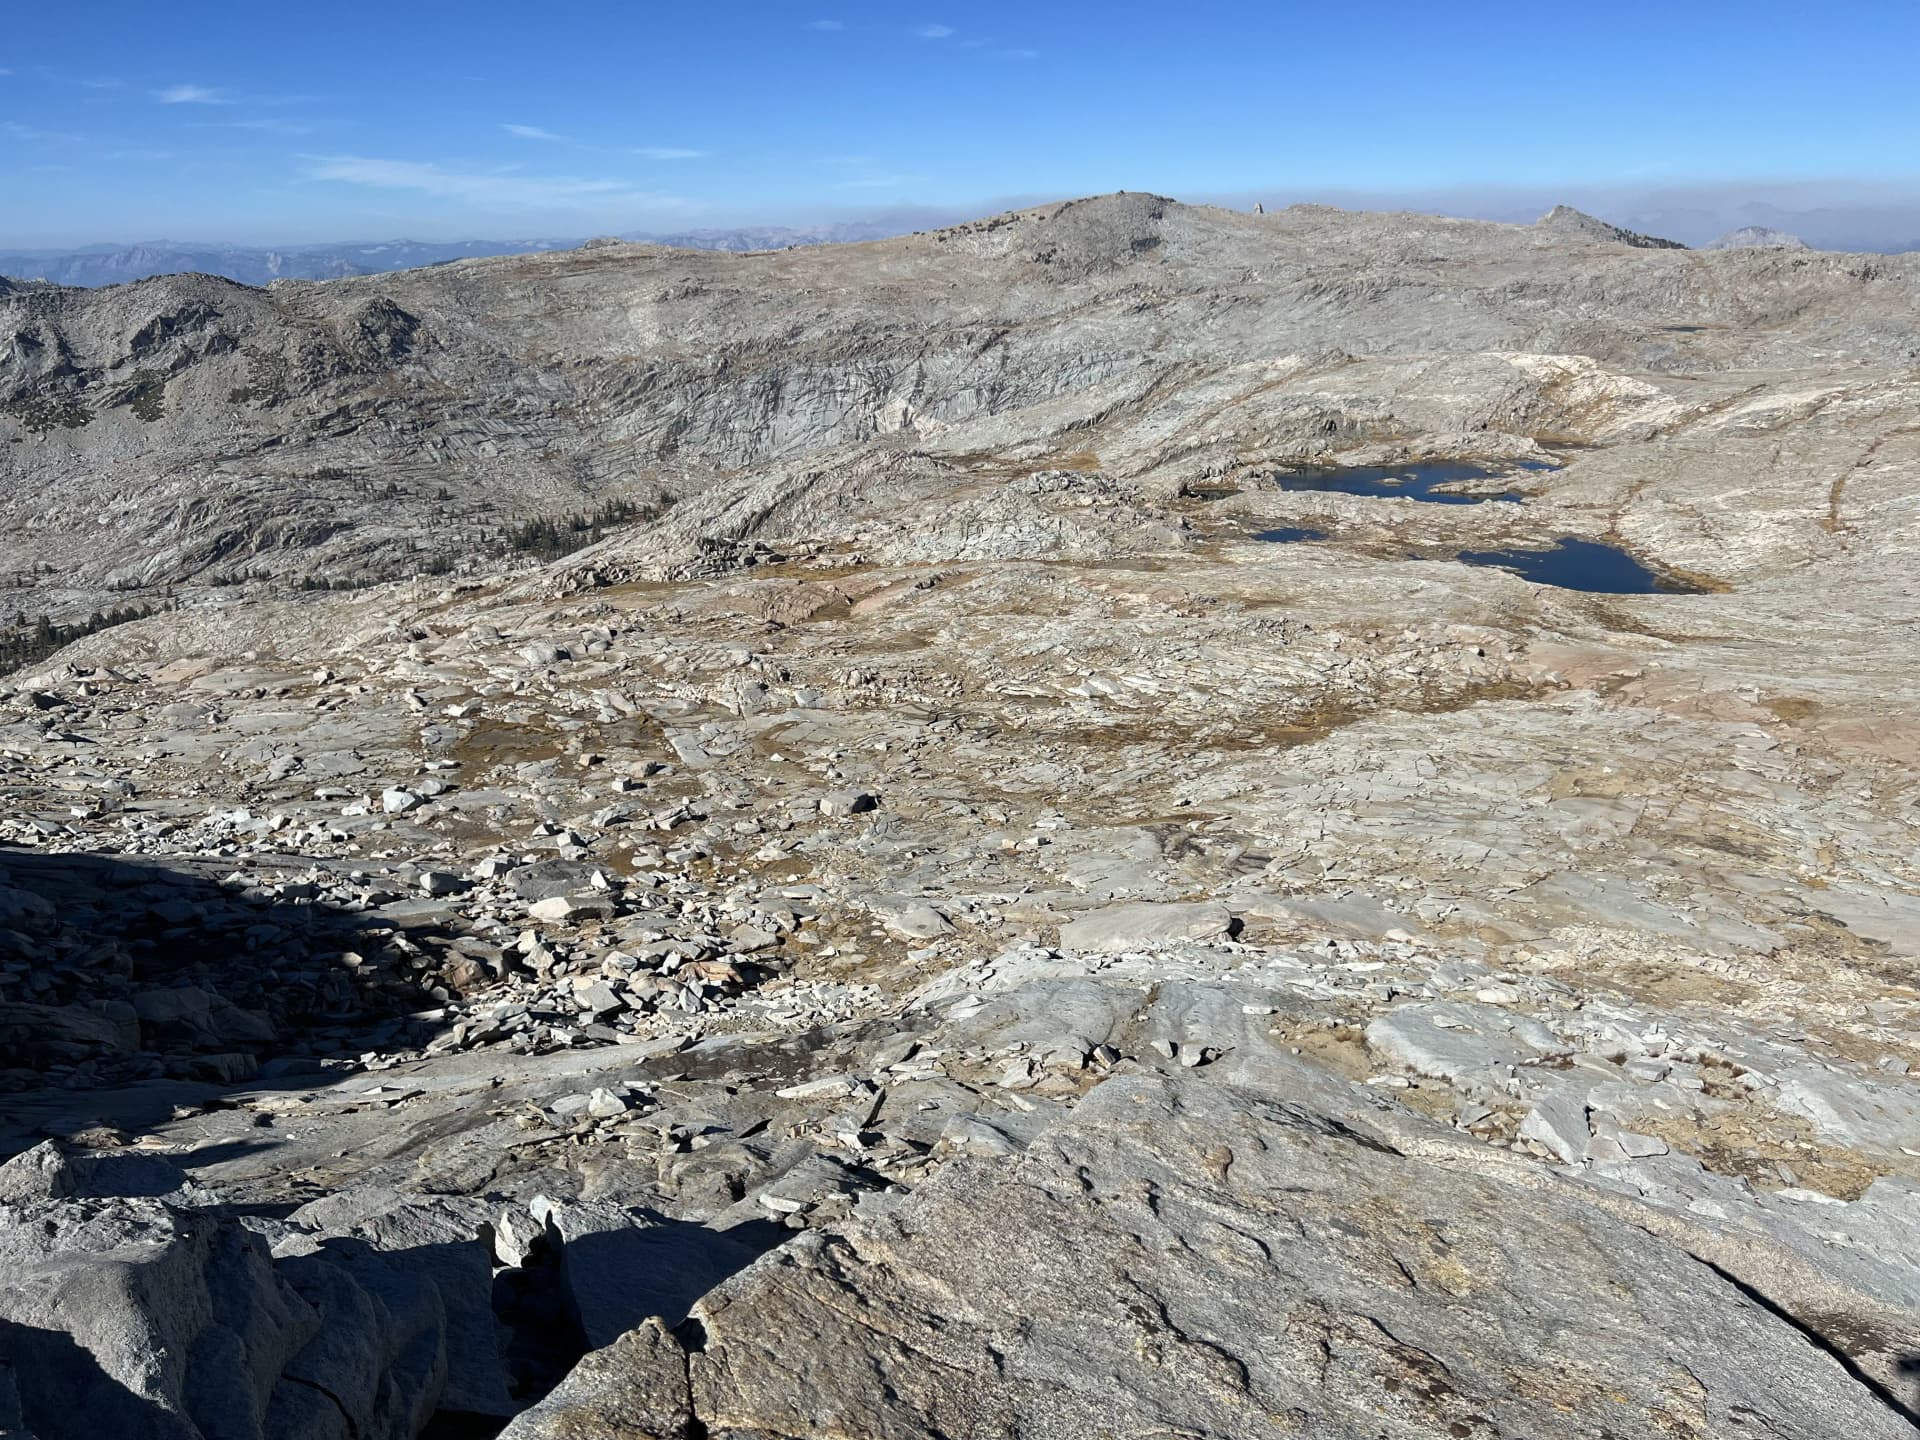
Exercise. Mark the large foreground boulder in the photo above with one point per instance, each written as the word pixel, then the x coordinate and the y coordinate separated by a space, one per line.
pixel 1182 1258
pixel 142 1319
pixel 134 1319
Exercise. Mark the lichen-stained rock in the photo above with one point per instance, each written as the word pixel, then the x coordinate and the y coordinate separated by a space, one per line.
pixel 1179 1259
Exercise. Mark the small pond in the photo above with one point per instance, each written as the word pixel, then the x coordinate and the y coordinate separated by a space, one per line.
pixel 1570 564
pixel 1406 482
pixel 1582 565
pixel 1290 535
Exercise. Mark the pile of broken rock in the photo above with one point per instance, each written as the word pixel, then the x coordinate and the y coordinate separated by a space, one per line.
pixel 1059 1182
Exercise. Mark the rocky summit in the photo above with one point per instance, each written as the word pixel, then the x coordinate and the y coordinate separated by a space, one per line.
pixel 1121 820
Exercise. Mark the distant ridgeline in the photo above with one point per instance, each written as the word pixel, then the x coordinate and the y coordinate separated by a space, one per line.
pixel 117 265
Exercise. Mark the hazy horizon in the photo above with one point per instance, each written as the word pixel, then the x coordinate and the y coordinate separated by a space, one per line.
pixel 1827 215
pixel 262 127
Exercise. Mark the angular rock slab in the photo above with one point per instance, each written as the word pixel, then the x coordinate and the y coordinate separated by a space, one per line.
pixel 633 1389
pixel 1179 1258
pixel 1127 927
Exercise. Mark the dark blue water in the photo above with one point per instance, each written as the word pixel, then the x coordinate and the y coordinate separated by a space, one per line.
pixel 1582 565
pixel 1291 534
pixel 1404 482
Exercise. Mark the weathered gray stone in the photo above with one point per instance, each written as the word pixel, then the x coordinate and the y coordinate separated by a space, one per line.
pixel 1624 873
pixel 1470 1045
pixel 546 879
pixel 633 1389
pixel 129 1317
pixel 1558 1121
pixel 447 1242
pixel 37 1175
pixel 1131 926
pixel 1352 1290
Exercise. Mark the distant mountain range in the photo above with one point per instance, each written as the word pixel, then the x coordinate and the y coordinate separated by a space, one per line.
pixel 1758 237
pixel 115 265
pixel 94 265
pixel 112 265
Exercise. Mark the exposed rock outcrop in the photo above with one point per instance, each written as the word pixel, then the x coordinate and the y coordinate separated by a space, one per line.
pixel 1117 860
pixel 1565 220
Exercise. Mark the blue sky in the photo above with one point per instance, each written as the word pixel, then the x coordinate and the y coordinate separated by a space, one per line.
pixel 123 121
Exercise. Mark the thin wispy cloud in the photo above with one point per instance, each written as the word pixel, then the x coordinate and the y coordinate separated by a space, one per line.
pixel 190 95
pixel 880 182
pixel 669 152
pixel 510 190
pixel 935 32
pixel 29 134
pixel 273 127
pixel 827 26
pixel 532 132
pixel 998 52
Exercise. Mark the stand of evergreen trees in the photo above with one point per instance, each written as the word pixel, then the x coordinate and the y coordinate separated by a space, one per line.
pixel 552 537
pixel 28 642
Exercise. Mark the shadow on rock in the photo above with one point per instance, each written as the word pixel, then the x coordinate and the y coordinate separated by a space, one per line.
pixel 132 1311
pixel 118 972
pixel 1907 1367
pixel 598 1271
pixel 46 1379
